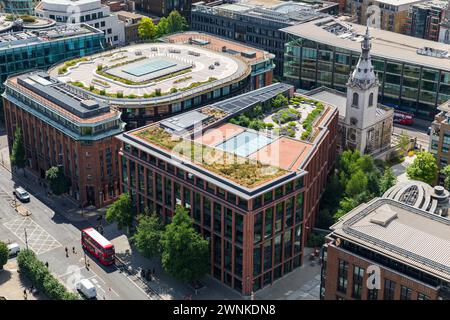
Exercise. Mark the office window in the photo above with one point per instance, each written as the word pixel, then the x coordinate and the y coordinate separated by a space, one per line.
pixel 372 294
pixel 421 296
pixel 405 293
pixel 358 275
pixel 389 289
pixel 342 276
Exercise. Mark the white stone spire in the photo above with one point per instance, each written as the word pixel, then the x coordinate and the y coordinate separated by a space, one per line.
pixel 363 76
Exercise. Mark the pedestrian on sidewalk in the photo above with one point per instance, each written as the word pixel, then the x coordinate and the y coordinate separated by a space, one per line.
pixel 73 250
pixel 46 264
pixel 67 252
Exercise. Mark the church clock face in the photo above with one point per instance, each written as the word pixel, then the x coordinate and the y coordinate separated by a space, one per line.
pixel 353 121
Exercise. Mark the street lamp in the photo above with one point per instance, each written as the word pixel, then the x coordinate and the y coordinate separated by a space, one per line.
pixel 26 237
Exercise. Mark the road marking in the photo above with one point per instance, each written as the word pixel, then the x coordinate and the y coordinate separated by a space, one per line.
pixel 39 240
pixel 70 272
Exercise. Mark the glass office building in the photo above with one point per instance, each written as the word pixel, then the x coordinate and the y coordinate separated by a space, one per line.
pixel 22 51
pixel 323 52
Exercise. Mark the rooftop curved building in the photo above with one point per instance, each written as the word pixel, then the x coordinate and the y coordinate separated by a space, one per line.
pixel 150 81
pixel 420 195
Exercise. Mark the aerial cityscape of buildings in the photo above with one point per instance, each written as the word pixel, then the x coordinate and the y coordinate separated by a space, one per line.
pixel 283 140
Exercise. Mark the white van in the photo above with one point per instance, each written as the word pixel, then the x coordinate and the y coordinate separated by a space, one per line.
pixel 87 288
pixel 13 249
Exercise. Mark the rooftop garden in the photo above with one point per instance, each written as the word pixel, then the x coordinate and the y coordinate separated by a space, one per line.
pixel 287 119
pixel 70 63
pixel 246 172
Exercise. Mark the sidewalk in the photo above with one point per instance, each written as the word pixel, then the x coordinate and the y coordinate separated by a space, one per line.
pixel 63 205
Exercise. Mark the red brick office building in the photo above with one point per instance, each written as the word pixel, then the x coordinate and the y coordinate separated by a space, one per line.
pixel 256 223
pixel 62 128
pixel 387 250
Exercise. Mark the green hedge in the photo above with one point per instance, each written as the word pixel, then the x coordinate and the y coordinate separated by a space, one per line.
pixel 41 277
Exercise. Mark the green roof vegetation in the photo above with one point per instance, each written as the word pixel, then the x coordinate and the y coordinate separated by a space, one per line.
pixel 70 63
pixel 246 172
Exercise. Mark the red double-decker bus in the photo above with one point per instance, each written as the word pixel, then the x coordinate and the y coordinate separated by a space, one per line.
pixel 402 117
pixel 98 245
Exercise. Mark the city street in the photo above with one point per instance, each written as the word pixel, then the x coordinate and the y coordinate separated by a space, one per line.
pixel 48 233
pixel 416 131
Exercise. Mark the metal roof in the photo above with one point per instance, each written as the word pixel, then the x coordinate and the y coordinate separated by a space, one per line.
pixel 244 101
pixel 62 95
pixel 413 236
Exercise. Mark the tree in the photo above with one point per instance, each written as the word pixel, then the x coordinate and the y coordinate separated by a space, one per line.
pixel 121 211
pixel 59 184
pixel 162 28
pixel 423 168
pixel 446 172
pixel 356 184
pixel 403 143
pixel 387 180
pixel 148 235
pixel 176 22
pixel 147 29
pixel 3 254
pixel 279 101
pixel 185 254
pixel 18 155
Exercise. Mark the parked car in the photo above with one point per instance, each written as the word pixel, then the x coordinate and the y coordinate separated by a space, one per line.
pixel 87 289
pixel 21 194
pixel 13 249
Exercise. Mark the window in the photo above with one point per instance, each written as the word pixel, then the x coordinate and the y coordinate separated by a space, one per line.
pixel 389 289
pixel 405 293
pixel 358 275
pixel 421 296
pixel 342 276
pixel 372 294
pixel 371 99
pixel 355 99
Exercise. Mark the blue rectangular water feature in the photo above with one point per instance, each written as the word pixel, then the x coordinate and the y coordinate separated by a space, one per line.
pixel 245 143
pixel 148 66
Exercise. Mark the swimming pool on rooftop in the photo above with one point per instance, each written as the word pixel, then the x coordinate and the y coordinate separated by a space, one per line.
pixel 245 143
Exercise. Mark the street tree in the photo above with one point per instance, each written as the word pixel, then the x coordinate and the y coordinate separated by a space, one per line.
pixel 176 22
pixel 403 143
pixel 18 155
pixel 121 211
pixel 185 254
pixel 59 184
pixel 387 180
pixel 423 168
pixel 148 235
pixel 446 172
pixel 147 29
pixel 3 254
pixel 357 182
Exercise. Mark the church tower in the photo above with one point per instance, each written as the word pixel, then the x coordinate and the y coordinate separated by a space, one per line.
pixel 362 101
pixel 362 90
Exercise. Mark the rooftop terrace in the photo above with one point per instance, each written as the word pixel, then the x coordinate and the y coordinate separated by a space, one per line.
pixel 153 71
pixel 213 139
pixel 385 44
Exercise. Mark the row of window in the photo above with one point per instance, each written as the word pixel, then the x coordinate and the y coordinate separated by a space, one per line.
pixel 372 293
pixel 258 201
